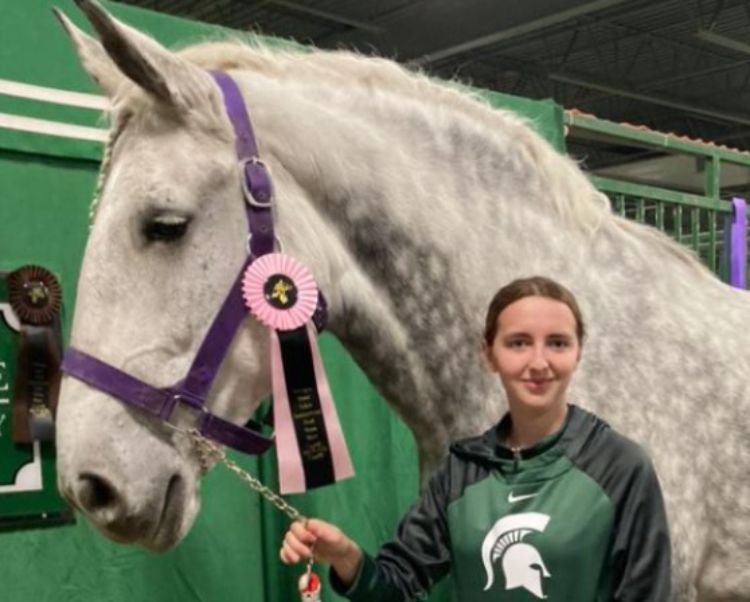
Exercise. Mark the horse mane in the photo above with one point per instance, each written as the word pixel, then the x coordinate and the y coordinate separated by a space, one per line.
pixel 574 198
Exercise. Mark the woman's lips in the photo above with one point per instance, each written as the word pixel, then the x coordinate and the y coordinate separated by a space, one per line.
pixel 537 386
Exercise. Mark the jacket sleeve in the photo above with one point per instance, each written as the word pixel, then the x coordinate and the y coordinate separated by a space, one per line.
pixel 417 557
pixel 641 552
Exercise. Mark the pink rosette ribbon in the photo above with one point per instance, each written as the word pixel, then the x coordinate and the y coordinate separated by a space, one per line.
pixel 281 293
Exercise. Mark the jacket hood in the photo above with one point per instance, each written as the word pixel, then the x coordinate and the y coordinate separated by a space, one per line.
pixel 579 428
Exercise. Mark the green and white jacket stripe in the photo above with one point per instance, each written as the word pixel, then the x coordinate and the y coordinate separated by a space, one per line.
pixel 577 518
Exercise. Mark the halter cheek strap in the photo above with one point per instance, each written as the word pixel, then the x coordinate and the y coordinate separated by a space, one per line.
pixel 161 402
pixel 191 392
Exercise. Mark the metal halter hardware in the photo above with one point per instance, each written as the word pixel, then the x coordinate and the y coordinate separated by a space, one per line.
pixel 191 392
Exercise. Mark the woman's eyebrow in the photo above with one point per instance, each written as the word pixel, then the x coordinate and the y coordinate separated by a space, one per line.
pixel 566 338
pixel 516 333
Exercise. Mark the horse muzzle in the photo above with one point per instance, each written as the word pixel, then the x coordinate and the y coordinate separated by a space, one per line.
pixel 126 476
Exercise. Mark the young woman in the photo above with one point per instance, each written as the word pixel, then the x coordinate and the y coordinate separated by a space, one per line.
pixel 551 503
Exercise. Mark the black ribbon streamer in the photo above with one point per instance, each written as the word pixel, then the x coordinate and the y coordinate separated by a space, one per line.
pixel 306 411
pixel 37 384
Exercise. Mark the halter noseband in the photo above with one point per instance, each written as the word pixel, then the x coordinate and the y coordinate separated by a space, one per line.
pixel 191 392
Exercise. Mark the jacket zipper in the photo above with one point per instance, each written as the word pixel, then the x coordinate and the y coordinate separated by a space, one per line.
pixel 516 456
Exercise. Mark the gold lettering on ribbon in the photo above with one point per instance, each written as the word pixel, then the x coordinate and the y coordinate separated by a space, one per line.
pixel 38 387
pixel 307 415
pixel 315 451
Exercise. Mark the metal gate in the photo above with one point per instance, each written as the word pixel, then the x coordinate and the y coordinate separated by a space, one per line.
pixel 700 222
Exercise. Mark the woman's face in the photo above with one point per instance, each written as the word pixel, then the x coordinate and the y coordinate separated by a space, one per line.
pixel 535 352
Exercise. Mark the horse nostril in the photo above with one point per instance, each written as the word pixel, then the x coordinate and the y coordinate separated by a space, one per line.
pixel 96 493
pixel 107 506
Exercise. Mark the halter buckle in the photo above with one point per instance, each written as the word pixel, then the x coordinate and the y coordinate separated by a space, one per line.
pixel 256 183
pixel 183 412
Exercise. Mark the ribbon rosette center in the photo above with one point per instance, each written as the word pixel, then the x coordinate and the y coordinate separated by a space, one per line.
pixel 280 291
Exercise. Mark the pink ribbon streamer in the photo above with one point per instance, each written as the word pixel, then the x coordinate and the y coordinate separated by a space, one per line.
pixel 342 463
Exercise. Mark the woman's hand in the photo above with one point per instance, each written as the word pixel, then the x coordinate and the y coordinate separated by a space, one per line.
pixel 327 542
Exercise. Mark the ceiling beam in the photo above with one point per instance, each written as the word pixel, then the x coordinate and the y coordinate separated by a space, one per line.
pixel 723 41
pixel 608 89
pixel 650 98
pixel 680 77
pixel 324 15
pixel 519 30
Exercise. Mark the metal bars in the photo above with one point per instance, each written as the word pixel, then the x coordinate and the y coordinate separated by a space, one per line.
pixel 695 221
pixel 698 221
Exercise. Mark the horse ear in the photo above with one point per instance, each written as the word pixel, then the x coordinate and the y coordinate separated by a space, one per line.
pixel 92 56
pixel 159 72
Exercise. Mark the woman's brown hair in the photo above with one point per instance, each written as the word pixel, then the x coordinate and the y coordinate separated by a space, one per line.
pixel 535 286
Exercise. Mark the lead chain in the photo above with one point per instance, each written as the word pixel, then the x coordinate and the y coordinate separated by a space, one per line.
pixel 208 452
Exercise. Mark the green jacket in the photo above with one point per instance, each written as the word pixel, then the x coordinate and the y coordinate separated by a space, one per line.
pixel 577 518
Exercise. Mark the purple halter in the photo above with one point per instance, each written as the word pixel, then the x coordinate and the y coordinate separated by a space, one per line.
pixel 193 389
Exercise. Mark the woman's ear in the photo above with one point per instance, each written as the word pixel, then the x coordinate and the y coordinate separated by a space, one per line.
pixel 487 358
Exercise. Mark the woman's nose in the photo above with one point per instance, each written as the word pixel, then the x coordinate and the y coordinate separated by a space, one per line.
pixel 539 359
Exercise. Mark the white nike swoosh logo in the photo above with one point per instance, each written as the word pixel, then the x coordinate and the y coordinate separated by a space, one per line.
pixel 512 499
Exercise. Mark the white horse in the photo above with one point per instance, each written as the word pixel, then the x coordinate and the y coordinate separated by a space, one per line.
pixel 411 203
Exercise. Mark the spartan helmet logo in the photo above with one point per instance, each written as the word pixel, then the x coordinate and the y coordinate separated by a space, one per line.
pixel 521 562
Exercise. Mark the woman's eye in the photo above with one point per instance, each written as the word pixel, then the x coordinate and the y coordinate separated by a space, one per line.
pixel 516 344
pixel 559 344
pixel 165 228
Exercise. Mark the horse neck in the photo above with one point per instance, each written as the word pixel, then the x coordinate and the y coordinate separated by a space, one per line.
pixel 426 214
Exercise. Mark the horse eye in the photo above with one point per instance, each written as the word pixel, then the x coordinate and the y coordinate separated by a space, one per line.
pixel 165 228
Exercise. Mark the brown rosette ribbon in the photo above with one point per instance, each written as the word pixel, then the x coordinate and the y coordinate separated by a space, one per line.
pixel 36 297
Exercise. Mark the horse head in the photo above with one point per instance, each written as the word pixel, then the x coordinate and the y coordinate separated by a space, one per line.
pixel 168 239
